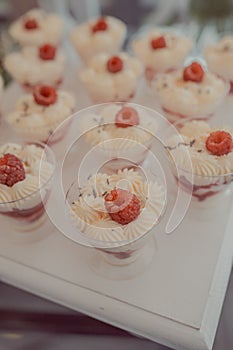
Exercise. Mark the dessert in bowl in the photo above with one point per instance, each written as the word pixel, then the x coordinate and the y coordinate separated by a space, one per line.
pixel 36 65
pixel 219 57
pixel 118 130
pixel 190 92
pixel 38 114
pixel 210 149
pixel 104 34
pixel 26 173
pixel 110 78
pixel 161 51
pixel 37 27
pixel 115 214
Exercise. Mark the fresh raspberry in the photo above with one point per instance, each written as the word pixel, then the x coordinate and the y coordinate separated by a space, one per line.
pixel 47 52
pixel 114 64
pixel 100 25
pixel 123 206
pixel 219 143
pixel 127 116
pixel 158 43
pixel 31 24
pixel 45 95
pixel 11 170
pixel 193 72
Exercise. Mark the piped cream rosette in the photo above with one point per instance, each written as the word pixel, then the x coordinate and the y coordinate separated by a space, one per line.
pixel 89 215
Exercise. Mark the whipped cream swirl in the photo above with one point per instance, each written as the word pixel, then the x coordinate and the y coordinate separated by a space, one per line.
pixel 89 214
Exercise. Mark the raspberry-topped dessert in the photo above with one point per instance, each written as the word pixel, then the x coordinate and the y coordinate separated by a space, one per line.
pixel 36 27
pixel 110 78
pixel 25 180
pixel 38 114
pixel 104 34
pixel 119 130
pixel 161 51
pixel 190 92
pixel 219 57
pixel 36 65
pixel 211 154
pixel 118 208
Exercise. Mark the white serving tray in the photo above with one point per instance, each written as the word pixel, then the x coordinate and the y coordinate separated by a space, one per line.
pixel 176 302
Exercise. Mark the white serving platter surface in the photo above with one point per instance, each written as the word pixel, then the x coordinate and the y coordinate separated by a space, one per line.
pixel 178 299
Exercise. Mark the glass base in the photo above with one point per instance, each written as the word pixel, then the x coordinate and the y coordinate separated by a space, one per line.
pixel 100 264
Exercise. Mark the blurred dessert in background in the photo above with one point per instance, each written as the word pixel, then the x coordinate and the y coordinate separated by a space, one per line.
pixel 161 51
pixel 190 92
pixel 105 34
pixel 110 78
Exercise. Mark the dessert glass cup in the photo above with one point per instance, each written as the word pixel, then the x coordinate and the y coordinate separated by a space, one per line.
pixel 27 214
pixel 115 148
pixel 204 113
pixel 205 189
pixel 123 259
pixel 150 72
pixel 216 63
pixel 44 134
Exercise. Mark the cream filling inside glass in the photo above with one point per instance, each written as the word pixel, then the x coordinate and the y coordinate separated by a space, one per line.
pixel 88 212
pixel 220 57
pixel 27 67
pixel 26 194
pixel 189 98
pixel 193 147
pixel 105 86
pixel 101 127
pixel 88 43
pixel 50 28
pixel 37 122
pixel 172 56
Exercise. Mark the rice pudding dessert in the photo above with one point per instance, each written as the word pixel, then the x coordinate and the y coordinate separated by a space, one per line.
pixel 110 78
pixel 118 209
pixel 211 153
pixel 37 27
pixel 161 51
pixel 25 180
pixel 119 131
pixel 190 92
pixel 104 34
pixel 38 114
pixel 36 65
pixel 219 57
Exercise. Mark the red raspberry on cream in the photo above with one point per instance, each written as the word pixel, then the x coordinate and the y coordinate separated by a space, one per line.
pixel 219 143
pixel 123 206
pixel 47 52
pixel 45 95
pixel 11 170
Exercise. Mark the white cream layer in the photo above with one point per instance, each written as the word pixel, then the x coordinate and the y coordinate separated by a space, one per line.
pixel 101 127
pixel 36 122
pixel 90 216
pixel 28 193
pixel 220 57
pixel 50 29
pixel 172 56
pixel 189 98
pixel 203 163
pixel 26 67
pixel 89 44
pixel 104 86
